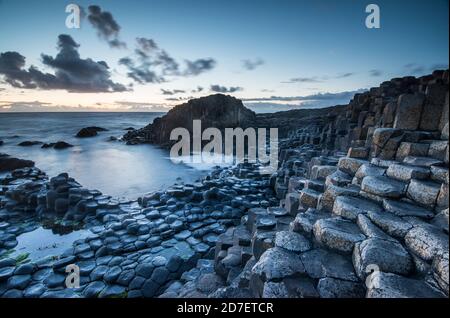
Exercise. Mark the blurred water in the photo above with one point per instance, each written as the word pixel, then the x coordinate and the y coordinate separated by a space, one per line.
pixel 109 166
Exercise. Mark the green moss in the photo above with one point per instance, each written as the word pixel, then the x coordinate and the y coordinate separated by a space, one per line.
pixel 22 258
pixel 121 295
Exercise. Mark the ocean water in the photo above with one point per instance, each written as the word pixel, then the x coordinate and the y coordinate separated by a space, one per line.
pixel 97 163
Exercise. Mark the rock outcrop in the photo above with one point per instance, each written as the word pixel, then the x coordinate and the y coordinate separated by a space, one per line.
pixel 8 163
pixel 89 132
pixel 219 111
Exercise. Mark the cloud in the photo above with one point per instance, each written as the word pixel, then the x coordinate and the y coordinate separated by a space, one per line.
pixel 280 103
pixel 250 65
pixel 106 26
pixel 414 69
pixel 37 106
pixel 197 90
pixel 317 79
pixel 172 92
pixel 142 107
pixel 179 99
pixel 223 89
pixel 441 66
pixel 152 64
pixel 344 75
pixel 71 72
pixel 375 73
pixel 313 79
pixel 199 66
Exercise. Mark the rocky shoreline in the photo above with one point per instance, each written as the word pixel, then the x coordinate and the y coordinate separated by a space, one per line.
pixel 357 208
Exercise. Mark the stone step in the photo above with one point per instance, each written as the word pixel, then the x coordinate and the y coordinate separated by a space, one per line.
pixel 382 163
pixel 439 174
pixel 422 161
pixel 424 193
pixel 350 165
pixel 388 285
pixel 292 203
pixel 309 198
pixel 322 171
pixel 337 234
pixel 401 209
pixel 326 201
pixel 390 223
pixel 304 222
pixel 338 178
pixel 383 187
pixel 427 241
pixel 405 172
pixel 389 256
pixel 350 207
pixel 438 149
pixel 316 185
pixel 368 169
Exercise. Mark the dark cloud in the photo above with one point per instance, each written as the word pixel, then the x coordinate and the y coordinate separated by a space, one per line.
pixel 140 73
pixel 197 90
pixel 375 73
pixel 250 65
pixel 152 64
pixel 71 72
pixel 106 26
pixel 199 66
pixel 172 92
pixel 223 89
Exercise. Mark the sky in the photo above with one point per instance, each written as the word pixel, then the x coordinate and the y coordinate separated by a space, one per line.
pixel 150 55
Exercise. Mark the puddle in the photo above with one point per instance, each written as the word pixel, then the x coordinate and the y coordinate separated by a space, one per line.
pixel 42 243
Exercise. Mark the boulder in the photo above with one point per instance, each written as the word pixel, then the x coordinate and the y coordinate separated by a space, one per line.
pixel 427 241
pixel 387 255
pixel 424 192
pixel 277 263
pixel 337 234
pixel 89 132
pixel 388 285
pixel 350 207
pixel 383 186
pixel 292 241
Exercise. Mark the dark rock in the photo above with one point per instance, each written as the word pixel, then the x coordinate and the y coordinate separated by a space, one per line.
pixel 89 132
pixel 8 163
pixel 29 143
pixel 219 111
pixel 57 145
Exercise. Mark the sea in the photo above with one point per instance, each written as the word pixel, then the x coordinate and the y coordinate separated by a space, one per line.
pixel 112 167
